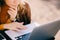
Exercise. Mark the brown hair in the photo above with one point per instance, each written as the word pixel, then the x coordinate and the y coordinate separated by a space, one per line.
pixel 24 13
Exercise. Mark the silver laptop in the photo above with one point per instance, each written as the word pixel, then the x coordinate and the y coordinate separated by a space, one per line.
pixel 46 31
pixel 14 35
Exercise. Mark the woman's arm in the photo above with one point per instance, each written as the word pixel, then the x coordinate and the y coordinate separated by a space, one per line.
pixel 1 27
pixel 15 26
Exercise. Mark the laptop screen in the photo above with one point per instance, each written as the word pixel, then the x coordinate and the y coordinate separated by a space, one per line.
pixel 45 31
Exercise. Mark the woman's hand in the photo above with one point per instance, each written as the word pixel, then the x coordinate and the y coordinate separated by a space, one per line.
pixel 12 12
pixel 15 26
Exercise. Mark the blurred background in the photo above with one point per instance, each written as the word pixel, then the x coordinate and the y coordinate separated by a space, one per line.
pixel 45 11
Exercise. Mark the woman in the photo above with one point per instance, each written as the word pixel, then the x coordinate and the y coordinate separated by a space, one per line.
pixel 14 15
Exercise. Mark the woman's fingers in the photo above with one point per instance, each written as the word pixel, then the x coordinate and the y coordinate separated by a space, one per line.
pixel 12 13
pixel 12 16
pixel 17 30
pixel 13 9
pixel 21 26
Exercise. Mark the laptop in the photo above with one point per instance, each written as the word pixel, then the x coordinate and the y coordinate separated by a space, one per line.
pixel 46 31
pixel 15 35
pixel 2 37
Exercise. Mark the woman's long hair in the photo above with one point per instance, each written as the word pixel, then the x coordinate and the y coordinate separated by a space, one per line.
pixel 24 13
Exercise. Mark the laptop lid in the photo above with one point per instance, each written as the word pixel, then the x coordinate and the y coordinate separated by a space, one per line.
pixel 46 31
